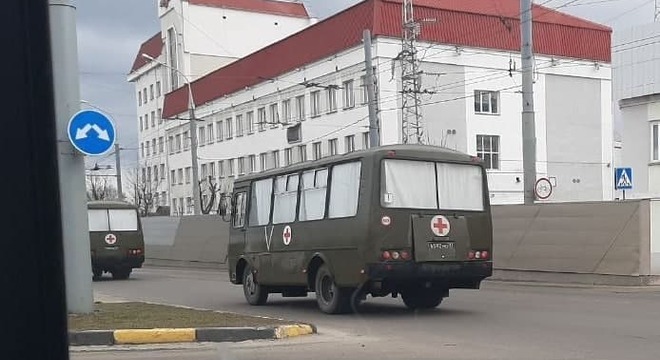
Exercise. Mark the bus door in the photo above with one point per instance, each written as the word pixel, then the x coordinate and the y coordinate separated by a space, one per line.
pixel 440 237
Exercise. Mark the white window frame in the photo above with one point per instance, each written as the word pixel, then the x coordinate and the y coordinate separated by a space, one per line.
pixel 333 147
pixel 480 96
pixel 482 141
pixel 302 153
pixel 349 143
pixel 315 102
pixel 230 128
pixel 261 119
pixel 332 98
pixel 249 118
pixel 317 150
pixel 274 111
pixel 263 161
pixel 252 163
pixel 300 108
pixel 153 119
pixel 286 111
pixel 240 128
pixel 210 134
pixel 349 94
pixel 288 156
pixel 220 131
pixel 655 141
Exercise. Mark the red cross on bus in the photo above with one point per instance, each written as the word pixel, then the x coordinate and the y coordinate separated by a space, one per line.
pixel 286 235
pixel 440 225
pixel 110 239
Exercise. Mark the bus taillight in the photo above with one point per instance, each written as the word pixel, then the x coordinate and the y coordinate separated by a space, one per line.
pixel 405 255
pixel 478 255
pixel 386 255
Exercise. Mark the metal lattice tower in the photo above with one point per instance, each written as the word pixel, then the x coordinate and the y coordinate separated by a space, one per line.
pixel 410 78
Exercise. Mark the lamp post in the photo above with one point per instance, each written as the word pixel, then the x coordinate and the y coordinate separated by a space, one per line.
pixel 193 136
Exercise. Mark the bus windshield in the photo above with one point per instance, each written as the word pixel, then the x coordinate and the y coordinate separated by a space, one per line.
pixel 430 185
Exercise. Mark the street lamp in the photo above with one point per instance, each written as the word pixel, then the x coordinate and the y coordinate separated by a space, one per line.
pixel 193 136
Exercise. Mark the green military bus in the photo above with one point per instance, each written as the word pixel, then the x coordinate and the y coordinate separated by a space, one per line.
pixel 116 238
pixel 404 219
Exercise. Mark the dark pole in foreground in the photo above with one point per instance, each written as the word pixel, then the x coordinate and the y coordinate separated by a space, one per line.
pixel 34 314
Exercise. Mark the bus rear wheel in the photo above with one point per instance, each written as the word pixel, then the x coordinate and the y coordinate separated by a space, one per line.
pixel 331 298
pixel 255 293
pixel 420 298
pixel 121 273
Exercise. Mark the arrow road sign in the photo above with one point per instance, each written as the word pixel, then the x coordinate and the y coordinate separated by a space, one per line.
pixel 623 179
pixel 92 132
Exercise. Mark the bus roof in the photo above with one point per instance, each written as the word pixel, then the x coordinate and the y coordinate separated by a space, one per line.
pixel 105 204
pixel 428 152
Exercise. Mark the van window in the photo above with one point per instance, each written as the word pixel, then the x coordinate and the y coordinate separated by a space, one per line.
pixel 460 187
pixel 98 220
pixel 239 211
pixel 286 199
pixel 344 190
pixel 260 202
pixel 123 220
pixel 312 196
pixel 401 190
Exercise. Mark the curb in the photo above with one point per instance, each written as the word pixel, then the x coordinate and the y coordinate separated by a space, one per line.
pixel 164 336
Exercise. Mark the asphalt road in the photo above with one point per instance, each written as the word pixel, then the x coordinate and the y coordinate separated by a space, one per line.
pixel 500 321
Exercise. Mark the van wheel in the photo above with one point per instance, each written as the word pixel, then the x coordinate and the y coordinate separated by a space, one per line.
pixel 422 298
pixel 121 273
pixel 330 298
pixel 97 274
pixel 255 293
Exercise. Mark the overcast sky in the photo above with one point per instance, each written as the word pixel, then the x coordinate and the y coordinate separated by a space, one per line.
pixel 110 33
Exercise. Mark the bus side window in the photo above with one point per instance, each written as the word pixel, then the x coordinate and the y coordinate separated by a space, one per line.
pixel 238 211
pixel 312 196
pixel 344 190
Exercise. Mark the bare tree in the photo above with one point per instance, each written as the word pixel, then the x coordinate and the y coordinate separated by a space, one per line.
pixel 144 192
pixel 214 195
pixel 98 188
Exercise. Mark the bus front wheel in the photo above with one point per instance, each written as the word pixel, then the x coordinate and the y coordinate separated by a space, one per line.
pixel 331 298
pixel 255 293
pixel 419 298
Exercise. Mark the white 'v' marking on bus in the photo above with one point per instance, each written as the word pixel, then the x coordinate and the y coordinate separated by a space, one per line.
pixel 267 237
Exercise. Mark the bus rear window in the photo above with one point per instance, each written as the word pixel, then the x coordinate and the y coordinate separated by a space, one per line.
pixel 429 185
pixel 123 220
pixel 98 220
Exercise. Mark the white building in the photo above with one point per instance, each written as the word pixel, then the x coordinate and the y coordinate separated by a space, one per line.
pixel 470 61
pixel 636 75
pixel 196 36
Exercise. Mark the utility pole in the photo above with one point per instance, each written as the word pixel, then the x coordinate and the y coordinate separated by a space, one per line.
pixel 410 78
pixel 75 228
pixel 528 121
pixel 120 192
pixel 374 129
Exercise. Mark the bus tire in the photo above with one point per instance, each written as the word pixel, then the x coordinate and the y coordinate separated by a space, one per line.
pixel 97 274
pixel 331 299
pixel 422 299
pixel 255 294
pixel 121 273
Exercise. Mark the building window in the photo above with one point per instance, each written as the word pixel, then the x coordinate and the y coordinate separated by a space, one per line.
pixel 300 108
pixel 151 92
pixel 173 177
pixel 221 169
pixel 153 119
pixel 162 171
pixel 141 124
pixel 655 144
pixel 486 102
pixel 219 131
pixel 142 149
pixel 350 143
pixel 209 134
pixel 146 121
pixel 156 173
pixel 263 160
pixel 239 125
pixel 274 115
pixel 231 167
pixel 302 153
pixel 144 174
pixel 153 146
pixel 365 92
pixel 286 111
pixel 230 128
pixel 204 172
pixel 173 53
pixel 212 170
pixel 332 147
pixel 332 98
pixel 180 176
pixel 249 118
pixel 349 95
pixel 188 171
pixel 139 96
pixel 317 150
pixel 144 95
pixel 160 116
pixel 288 157
pixel 261 118
pixel 161 145
pixel 276 159
pixel 170 141
pixel 202 136
pixel 158 89
pixel 488 150
pixel 315 102
pixel 253 163
pixel 177 143
pixel 186 140
pixel 148 149
pixel 241 166
pixel 365 140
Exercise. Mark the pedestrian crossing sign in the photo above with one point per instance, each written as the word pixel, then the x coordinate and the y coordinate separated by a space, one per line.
pixel 623 179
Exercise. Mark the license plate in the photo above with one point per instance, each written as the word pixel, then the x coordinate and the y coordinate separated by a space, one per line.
pixel 441 246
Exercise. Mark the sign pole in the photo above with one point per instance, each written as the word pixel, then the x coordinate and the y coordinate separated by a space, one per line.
pixel 75 228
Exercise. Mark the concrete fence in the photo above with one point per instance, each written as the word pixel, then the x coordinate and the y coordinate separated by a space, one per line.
pixel 604 242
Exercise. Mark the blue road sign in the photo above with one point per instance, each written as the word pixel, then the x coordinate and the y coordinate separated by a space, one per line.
pixel 623 178
pixel 91 132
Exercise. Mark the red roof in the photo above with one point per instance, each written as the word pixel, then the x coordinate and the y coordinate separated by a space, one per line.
pixel 263 6
pixel 152 47
pixel 492 24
